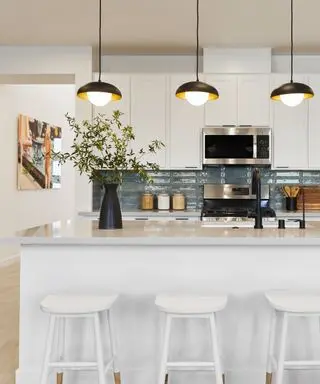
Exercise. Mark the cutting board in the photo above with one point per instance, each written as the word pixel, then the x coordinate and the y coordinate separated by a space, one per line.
pixel 312 198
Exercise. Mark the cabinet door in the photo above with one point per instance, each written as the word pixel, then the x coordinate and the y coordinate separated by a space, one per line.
pixel 223 111
pixel 148 114
pixel 254 100
pixel 290 131
pixel 123 83
pixel 186 123
pixel 314 122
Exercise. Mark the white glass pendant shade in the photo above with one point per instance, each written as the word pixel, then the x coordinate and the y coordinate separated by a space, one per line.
pixel 99 99
pixel 197 98
pixel 293 99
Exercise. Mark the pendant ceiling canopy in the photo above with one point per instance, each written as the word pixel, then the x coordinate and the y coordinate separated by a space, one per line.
pixel 196 92
pixel 98 92
pixel 292 93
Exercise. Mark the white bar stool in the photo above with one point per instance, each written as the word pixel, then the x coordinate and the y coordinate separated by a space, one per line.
pixel 201 307
pixel 287 304
pixel 62 307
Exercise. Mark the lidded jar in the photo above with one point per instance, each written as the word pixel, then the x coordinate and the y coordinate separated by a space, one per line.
pixel 147 201
pixel 163 201
pixel 178 201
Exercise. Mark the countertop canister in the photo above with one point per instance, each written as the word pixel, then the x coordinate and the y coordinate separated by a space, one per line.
pixel 147 201
pixel 178 202
pixel 163 202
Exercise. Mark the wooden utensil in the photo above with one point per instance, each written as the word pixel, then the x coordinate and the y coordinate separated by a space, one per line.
pixel 294 191
pixel 287 191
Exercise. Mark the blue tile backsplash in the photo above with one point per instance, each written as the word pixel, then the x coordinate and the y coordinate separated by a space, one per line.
pixel 190 184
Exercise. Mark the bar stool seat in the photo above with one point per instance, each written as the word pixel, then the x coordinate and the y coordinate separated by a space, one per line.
pixel 294 301
pixel 184 304
pixel 76 304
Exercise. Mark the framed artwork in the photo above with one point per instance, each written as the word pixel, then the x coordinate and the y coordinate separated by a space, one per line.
pixel 36 140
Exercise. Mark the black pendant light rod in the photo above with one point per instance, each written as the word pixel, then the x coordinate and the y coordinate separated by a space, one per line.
pixel 100 17
pixel 291 78
pixel 198 40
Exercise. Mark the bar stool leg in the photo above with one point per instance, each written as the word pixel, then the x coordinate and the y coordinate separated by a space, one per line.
pixel 116 371
pixel 49 344
pixel 99 349
pixel 282 349
pixel 61 345
pixel 163 377
pixel 215 349
pixel 271 347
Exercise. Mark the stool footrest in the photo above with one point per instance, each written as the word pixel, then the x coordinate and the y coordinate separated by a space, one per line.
pixel 300 364
pixel 191 365
pixel 74 365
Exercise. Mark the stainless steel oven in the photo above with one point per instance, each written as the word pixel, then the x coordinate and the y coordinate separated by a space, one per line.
pixel 236 145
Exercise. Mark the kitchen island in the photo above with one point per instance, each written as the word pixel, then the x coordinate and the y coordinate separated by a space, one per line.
pixel 147 258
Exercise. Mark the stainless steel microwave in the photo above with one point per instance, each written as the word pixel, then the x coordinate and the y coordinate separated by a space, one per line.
pixel 236 145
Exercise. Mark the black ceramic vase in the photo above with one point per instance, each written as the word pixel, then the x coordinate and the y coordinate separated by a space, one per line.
pixel 110 212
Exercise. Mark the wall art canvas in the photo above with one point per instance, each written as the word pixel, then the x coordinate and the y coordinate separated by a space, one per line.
pixel 36 140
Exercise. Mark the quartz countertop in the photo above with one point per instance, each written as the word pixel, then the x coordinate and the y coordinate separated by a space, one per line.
pixel 193 213
pixel 147 213
pixel 85 232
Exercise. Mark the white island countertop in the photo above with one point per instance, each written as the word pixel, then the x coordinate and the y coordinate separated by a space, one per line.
pixel 146 258
pixel 86 232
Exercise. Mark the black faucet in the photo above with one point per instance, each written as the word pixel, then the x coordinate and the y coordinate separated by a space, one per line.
pixel 256 190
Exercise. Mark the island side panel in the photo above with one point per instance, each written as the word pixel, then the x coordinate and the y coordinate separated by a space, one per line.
pixel 138 273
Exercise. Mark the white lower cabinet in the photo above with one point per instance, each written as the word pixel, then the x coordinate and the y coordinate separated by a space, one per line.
pixel 290 130
pixel 161 218
pixel 185 126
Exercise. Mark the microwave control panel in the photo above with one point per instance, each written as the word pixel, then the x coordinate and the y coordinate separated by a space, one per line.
pixel 263 146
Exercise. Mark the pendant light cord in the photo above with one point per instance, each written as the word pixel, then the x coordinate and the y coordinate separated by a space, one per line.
pixel 197 40
pixel 291 41
pixel 100 16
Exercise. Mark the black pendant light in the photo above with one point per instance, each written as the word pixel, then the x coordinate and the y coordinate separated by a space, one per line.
pixel 98 92
pixel 292 94
pixel 196 92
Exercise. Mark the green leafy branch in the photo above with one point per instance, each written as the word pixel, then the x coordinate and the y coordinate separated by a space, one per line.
pixel 105 144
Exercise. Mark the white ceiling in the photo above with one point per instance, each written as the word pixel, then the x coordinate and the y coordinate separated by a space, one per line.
pixel 160 26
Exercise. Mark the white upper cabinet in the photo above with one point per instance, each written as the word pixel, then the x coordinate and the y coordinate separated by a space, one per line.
pixel 223 111
pixel 254 100
pixel 244 100
pixel 314 122
pixel 122 82
pixel 290 130
pixel 148 113
pixel 185 127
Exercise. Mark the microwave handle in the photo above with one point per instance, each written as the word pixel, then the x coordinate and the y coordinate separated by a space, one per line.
pixel 255 147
